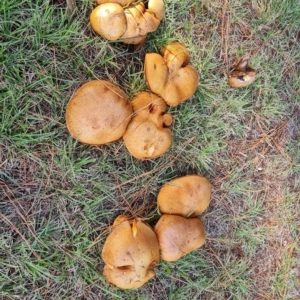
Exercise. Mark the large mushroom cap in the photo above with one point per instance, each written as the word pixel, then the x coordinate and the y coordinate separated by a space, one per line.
pixel 98 113
pixel 130 253
pixel 185 196
pixel 178 236
pixel 241 74
pixel 109 20
pixel 147 135
pixel 169 75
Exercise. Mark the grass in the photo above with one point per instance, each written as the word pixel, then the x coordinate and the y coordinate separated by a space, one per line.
pixel 59 197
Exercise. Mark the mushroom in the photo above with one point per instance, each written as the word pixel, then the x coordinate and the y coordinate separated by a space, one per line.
pixel 98 113
pixel 139 23
pixel 147 135
pixel 178 236
pixel 169 75
pixel 157 7
pixel 109 20
pixel 125 20
pixel 130 253
pixel 187 196
pixel 241 74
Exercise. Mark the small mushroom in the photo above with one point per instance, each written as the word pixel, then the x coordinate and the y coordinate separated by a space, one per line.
pixel 130 253
pixel 98 113
pixel 109 20
pixel 169 75
pixel 147 135
pixel 178 236
pixel 139 23
pixel 157 7
pixel 241 74
pixel 187 196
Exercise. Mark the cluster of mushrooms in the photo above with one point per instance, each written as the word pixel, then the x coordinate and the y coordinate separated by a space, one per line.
pixel 99 112
pixel 126 20
pixel 133 248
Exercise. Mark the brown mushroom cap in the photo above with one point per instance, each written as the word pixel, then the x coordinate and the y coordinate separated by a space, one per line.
pixel 157 7
pixel 126 20
pixel 170 76
pixel 109 20
pixel 187 196
pixel 178 236
pixel 139 23
pixel 98 113
pixel 130 253
pixel 241 74
pixel 147 135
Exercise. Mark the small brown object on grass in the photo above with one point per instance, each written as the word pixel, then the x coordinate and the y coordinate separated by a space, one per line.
pixel 241 74
pixel 98 113
pixel 130 253
pixel 178 236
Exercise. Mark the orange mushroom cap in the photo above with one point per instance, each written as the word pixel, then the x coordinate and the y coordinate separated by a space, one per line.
pixel 127 21
pixel 98 113
pixel 169 75
pixel 178 236
pixel 139 23
pixel 147 135
pixel 130 253
pixel 187 196
pixel 109 20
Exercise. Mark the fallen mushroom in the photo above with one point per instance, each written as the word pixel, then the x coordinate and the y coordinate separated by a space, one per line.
pixel 128 21
pixel 98 113
pixel 130 253
pixel 187 196
pixel 169 75
pixel 241 74
pixel 178 236
pixel 147 135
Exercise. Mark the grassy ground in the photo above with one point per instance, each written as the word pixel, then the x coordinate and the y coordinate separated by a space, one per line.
pixel 58 197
